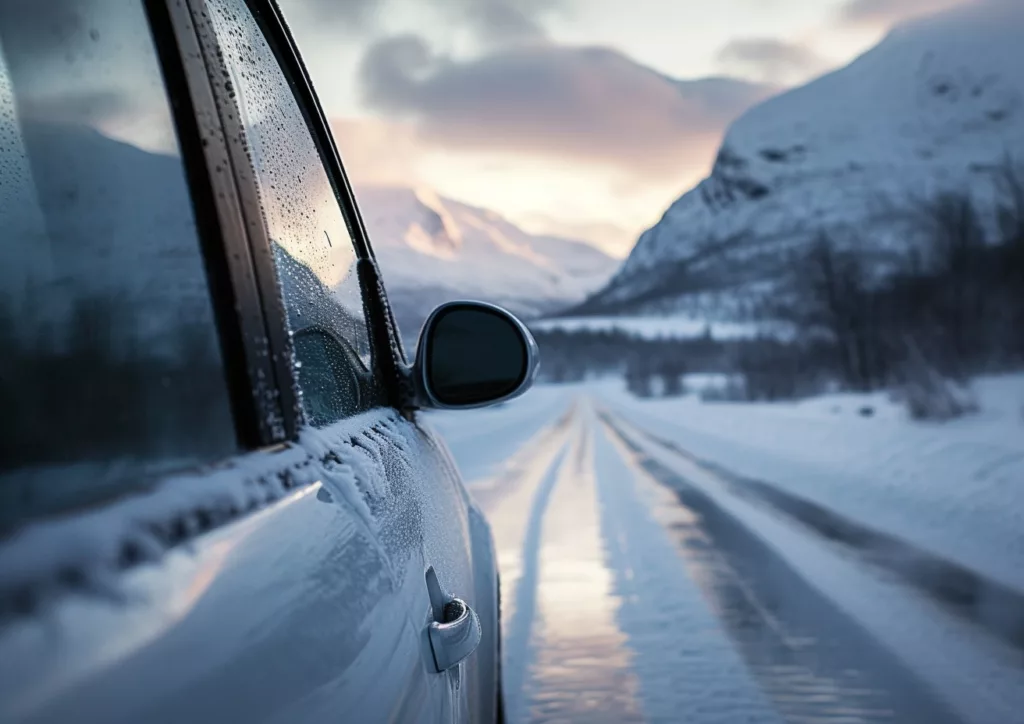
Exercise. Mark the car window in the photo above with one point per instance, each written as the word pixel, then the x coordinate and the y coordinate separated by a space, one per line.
pixel 111 371
pixel 312 245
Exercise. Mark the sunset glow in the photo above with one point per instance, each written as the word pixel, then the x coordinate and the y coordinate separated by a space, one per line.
pixel 430 95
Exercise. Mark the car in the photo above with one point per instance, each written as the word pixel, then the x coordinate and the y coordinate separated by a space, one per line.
pixel 219 499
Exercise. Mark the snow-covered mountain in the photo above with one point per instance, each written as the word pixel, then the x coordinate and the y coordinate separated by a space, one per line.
pixel 432 249
pixel 937 105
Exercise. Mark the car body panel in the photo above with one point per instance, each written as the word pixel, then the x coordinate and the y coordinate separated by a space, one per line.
pixel 479 574
pixel 313 608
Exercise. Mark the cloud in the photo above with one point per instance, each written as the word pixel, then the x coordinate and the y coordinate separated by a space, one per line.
pixel 39 34
pixel 591 104
pixel 611 238
pixel 350 17
pixel 502 20
pixel 87 107
pixel 83 62
pixel 492 21
pixel 771 60
pixel 879 13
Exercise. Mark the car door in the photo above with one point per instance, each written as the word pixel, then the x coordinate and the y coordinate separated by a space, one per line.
pixel 436 533
pixel 298 580
pixel 457 545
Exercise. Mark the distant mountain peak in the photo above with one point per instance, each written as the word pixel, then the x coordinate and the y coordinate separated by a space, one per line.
pixel 432 249
pixel 439 228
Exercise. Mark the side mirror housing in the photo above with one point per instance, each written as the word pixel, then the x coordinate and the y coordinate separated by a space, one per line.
pixel 473 354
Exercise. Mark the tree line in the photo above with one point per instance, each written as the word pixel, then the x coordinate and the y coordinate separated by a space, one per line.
pixel 921 319
pixel 946 309
pixel 93 388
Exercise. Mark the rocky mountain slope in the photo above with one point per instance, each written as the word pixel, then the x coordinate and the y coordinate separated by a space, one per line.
pixel 937 105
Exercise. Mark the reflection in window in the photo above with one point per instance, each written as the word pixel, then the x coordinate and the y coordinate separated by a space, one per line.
pixel 111 371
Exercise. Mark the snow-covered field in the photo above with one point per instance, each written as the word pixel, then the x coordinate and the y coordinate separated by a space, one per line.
pixel 954 488
pixel 660 560
pixel 650 327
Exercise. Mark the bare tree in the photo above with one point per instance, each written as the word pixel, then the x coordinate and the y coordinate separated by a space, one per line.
pixel 1009 178
pixel 957 253
pixel 671 370
pixel 639 376
pixel 837 299
pixel 926 392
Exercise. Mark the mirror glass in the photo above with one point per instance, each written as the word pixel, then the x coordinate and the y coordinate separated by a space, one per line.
pixel 474 355
pixel 327 377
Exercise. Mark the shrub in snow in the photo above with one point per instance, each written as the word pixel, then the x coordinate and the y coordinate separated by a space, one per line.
pixel 674 386
pixel 640 377
pixel 929 395
pixel 671 372
pixel 937 398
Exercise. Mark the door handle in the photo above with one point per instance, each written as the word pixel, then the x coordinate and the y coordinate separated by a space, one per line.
pixel 455 638
pixel 455 631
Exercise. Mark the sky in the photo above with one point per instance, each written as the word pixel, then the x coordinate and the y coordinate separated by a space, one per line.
pixel 581 118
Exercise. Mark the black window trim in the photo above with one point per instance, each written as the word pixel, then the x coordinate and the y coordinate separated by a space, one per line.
pixel 238 310
pixel 388 359
pixel 383 330
pixel 274 385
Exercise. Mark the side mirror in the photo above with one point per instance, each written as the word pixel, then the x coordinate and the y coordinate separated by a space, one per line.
pixel 473 354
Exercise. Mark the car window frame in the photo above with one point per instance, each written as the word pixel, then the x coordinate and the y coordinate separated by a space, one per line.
pixel 250 325
pixel 388 363
pixel 257 420
pixel 225 247
pixel 249 313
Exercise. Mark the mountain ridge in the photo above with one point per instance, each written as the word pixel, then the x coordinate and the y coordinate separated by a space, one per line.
pixel 935 106
pixel 433 249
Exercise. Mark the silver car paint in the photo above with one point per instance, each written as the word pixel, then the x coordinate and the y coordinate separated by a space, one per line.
pixel 302 612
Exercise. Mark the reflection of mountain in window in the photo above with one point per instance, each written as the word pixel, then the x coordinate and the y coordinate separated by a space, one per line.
pixel 111 372
pixel 49 51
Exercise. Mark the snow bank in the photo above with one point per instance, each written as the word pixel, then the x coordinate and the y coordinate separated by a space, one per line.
pixel 673 327
pixel 952 489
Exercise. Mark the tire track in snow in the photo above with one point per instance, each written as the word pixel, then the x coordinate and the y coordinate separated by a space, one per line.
pixel 515 502
pixel 519 657
pixel 564 657
pixel 686 663
pixel 846 617
pixel 524 467
pixel 994 606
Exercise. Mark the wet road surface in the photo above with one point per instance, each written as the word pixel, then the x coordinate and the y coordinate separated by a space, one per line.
pixel 636 587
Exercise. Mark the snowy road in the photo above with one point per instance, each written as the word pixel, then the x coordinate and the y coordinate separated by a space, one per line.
pixel 641 585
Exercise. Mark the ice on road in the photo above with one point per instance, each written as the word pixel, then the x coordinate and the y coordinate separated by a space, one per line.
pixel 636 587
